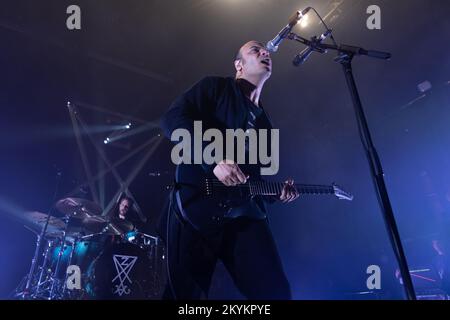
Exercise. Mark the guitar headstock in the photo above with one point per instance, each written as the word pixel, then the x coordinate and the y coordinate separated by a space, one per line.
pixel 341 194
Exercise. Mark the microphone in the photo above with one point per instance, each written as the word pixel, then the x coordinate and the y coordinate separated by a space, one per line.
pixel 304 55
pixel 273 44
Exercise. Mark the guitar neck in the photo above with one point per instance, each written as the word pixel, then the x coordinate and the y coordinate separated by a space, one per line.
pixel 265 188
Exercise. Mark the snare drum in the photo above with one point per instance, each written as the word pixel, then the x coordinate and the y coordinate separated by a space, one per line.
pixel 141 239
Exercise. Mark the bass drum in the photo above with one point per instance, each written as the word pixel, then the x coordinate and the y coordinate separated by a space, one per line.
pixel 120 272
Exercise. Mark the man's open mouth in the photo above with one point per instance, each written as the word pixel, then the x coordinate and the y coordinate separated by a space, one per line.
pixel 266 62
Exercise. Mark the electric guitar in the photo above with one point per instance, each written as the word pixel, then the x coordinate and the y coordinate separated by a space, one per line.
pixel 204 201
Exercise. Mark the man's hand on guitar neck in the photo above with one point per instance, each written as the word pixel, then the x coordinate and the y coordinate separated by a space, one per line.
pixel 289 192
pixel 229 173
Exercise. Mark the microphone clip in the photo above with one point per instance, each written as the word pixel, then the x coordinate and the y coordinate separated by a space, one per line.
pixel 315 45
pixel 314 42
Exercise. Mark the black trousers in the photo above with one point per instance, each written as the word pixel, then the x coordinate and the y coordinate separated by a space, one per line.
pixel 246 248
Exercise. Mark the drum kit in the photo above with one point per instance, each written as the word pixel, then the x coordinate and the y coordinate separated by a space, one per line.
pixel 112 259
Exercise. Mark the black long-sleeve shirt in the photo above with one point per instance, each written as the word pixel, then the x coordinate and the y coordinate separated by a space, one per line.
pixel 219 103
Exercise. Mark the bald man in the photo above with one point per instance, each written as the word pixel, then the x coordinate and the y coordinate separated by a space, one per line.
pixel 245 244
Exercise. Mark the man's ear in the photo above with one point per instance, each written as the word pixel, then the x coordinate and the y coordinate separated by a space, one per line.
pixel 238 64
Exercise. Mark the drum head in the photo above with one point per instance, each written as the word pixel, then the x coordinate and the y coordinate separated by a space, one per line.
pixel 120 272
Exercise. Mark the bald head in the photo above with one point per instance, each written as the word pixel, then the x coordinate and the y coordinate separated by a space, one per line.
pixel 253 62
pixel 238 55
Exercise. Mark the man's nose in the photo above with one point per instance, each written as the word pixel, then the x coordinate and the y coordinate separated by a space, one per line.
pixel 265 52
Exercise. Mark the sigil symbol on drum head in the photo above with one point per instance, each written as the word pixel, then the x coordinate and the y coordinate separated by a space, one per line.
pixel 123 265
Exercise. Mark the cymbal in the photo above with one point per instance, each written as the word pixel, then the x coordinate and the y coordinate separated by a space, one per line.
pixel 39 218
pixel 56 226
pixel 119 226
pixel 78 208
pixel 36 221
pixel 94 224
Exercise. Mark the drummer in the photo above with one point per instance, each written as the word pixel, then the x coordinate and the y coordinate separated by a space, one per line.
pixel 123 214
pixel 124 207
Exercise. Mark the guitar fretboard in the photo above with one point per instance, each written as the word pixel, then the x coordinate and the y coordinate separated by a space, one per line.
pixel 265 188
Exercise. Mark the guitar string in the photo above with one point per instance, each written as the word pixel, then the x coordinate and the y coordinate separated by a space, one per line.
pixel 265 185
pixel 217 182
pixel 274 188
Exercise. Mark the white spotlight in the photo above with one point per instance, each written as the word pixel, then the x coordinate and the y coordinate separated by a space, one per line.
pixel 304 22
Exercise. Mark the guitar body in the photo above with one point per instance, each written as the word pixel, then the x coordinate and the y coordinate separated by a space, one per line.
pixel 203 208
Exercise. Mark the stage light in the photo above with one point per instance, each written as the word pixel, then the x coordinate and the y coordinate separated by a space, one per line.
pixel 304 22
pixel 128 126
pixel 105 141
pixel 424 86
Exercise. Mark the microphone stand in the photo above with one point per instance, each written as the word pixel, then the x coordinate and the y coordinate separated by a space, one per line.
pixel 345 56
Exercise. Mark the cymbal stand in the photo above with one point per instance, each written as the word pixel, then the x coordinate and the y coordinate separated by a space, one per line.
pixel 26 291
pixel 55 279
pixel 43 269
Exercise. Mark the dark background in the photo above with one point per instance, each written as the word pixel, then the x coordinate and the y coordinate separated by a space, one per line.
pixel 134 57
